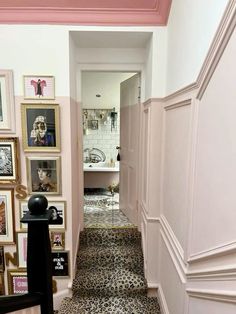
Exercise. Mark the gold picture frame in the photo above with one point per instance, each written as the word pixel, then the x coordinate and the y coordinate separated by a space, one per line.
pixel 2 286
pixel 7 109
pixel 40 127
pixel 57 240
pixel 7 224
pixel 44 175
pixel 39 87
pixel 9 162
pixel 17 281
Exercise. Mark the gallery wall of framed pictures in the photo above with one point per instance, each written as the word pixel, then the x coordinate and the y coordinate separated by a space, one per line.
pixel 40 143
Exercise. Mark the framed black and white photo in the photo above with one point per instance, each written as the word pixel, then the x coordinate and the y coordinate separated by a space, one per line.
pixel 57 225
pixel 40 127
pixel 60 264
pixel 7 228
pixel 39 87
pixel 7 111
pixel 9 170
pixel 43 175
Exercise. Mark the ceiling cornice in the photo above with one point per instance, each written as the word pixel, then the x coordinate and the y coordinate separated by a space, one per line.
pixel 152 16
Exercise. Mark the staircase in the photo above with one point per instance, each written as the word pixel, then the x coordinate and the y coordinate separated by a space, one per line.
pixel 110 276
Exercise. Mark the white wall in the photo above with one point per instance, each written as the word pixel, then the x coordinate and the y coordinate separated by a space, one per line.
pixel 191 27
pixel 107 84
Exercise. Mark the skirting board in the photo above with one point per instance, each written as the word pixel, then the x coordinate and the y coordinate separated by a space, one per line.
pixel 156 290
pixel 59 296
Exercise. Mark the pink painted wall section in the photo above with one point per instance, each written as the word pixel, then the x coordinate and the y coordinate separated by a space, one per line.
pixel 126 12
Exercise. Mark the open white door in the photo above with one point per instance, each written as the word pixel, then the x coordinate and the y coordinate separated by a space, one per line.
pixel 129 139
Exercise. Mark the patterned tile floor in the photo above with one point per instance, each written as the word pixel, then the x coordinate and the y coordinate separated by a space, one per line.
pixel 101 210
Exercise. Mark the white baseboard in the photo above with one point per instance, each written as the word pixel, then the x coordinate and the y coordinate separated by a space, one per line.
pixel 59 296
pixel 162 300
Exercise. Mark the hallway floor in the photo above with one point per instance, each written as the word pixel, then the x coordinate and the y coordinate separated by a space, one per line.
pixel 101 210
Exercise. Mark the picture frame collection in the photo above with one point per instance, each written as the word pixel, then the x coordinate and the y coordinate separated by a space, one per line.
pixel 40 134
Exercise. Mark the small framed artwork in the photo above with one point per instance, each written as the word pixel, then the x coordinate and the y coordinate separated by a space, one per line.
pixel 17 281
pixel 7 232
pixel 39 87
pixel 40 127
pixel 2 287
pixel 21 244
pixel 43 175
pixel 2 264
pixel 94 124
pixel 60 263
pixel 9 170
pixel 57 224
pixel 58 240
pixel 7 111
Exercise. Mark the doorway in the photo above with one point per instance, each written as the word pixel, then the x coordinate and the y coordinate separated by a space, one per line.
pixel 101 116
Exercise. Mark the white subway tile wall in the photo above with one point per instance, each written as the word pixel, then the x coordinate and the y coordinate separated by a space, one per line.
pixel 104 138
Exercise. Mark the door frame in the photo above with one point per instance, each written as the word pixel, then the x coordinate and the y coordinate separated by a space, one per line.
pixel 113 67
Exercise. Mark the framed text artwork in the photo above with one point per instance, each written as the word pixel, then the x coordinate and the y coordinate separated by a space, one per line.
pixel 39 87
pixel 40 127
pixel 60 263
pixel 9 169
pixel 7 229
pixel 7 111
pixel 17 281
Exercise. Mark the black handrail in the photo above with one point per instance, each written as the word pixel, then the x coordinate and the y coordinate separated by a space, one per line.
pixel 13 303
pixel 39 261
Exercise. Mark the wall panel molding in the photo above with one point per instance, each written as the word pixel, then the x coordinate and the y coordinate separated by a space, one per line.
pixel 214 273
pixel 217 48
pixel 213 295
pixel 223 249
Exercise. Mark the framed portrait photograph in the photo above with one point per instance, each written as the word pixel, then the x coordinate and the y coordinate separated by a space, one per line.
pixel 2 263
pixel 7 229
pixel 43 175
pixel 21 244
pixel 58 240
pixel 2 286
pixel 60 263
pixel 57 224
pixel 7 111
pixel 40 127
pixel 39 87
pixel 9 165
pixel 17 281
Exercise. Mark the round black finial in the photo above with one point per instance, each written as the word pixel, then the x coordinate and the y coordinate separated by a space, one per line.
pixel 37 204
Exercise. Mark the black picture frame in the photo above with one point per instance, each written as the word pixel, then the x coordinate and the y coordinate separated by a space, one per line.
pixel 60 263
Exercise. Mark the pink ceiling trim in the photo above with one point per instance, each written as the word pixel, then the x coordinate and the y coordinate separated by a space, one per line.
pixel 96 16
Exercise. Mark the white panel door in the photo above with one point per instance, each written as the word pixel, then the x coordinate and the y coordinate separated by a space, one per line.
pixel 129 140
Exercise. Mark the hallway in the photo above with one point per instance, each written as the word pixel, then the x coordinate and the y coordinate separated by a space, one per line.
pixel 101 210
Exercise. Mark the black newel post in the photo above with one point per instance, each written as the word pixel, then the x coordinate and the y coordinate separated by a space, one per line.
pixel 39 261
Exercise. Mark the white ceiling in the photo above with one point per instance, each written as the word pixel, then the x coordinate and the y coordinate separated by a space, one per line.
pixel 95 39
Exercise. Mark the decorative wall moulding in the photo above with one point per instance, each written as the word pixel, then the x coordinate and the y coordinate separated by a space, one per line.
pixel 221 250
pixel 148 12
pixel 213 295
pixel 220 41
pixel 214 273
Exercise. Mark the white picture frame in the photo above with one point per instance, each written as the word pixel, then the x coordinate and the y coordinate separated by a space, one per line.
pixel 7 107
